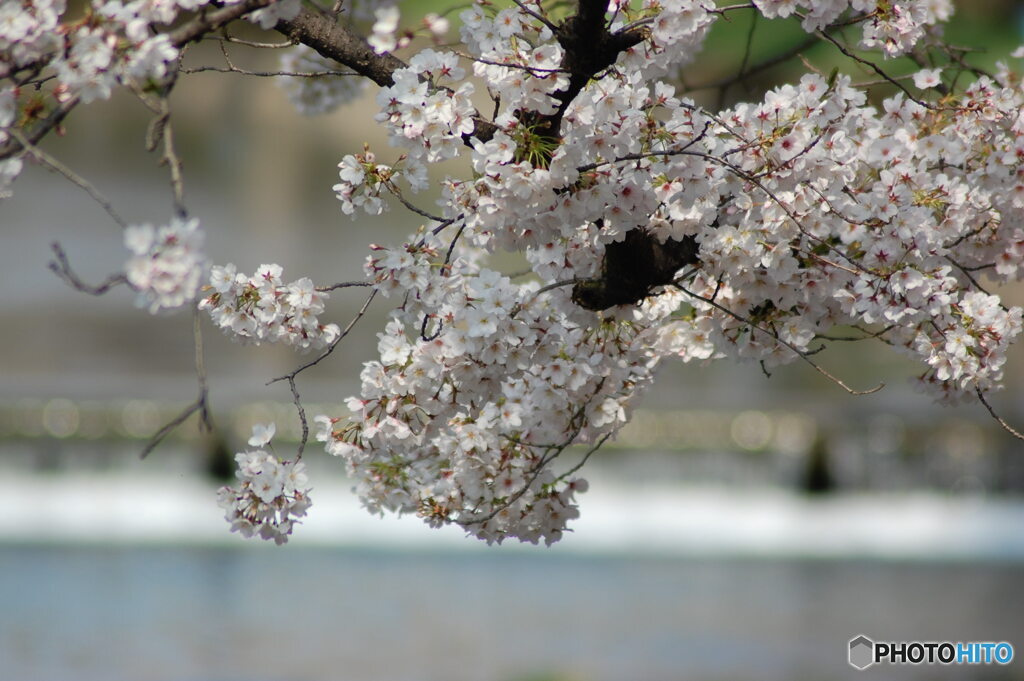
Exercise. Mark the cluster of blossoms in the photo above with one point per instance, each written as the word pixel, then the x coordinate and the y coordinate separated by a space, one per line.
pixel 533 58
pixel 262 309
pixel 363 180
pixel 167 263
pixel 417 445
pixel 425 119
pixel 90 57
pixel 764 226
pixel 270 494
pixel 808 210
pixel 84 59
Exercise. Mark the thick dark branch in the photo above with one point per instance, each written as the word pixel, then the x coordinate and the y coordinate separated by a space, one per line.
pixel 337 42
pixel 589 49
pixel 334 41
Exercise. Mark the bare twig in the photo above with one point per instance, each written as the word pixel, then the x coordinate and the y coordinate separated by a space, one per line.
pixel 169 427
pixel 543 289
pixel 206 22
pixel 868 335
pixel 731 8
pixel 874 67
pixel 297 400
pixel 803 354
pixel 539 17
pixel 62 268
pixel 265 74
pixel 1006 426
pixel 342 284
pixel 586 457
pixel 758 67
pixel 332 346
pixel 76 179
pixel 419 211
pixel 290 377
pixel 511 65
pixel 200 405
pixel 967 273
pixel 161 132
pixel 252 43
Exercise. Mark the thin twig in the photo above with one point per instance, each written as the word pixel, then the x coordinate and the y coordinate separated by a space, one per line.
pixel 647 154
pixel 161 131
pixel 741 77
pixel 523 67
pixel 535 472
pixel 251 43
pixel 731 8
pixel 1006 426
pixel 586 456
pixel 62 268
pixel 874 67
pixel 297 401
pixel 200 363
pixel 758 67
pixel 342 284
pixel 877 335
pixel 76 179
pixel 543 289
pixel 539 17
pixel 168 427
pixel 290 377
pixel 266 74
pixel 419 211
pixel 964 271
pixel 200 405
pixel 55 118
pixel 332 346
pixel 804 355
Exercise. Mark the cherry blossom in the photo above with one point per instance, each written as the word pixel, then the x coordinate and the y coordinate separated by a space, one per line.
pixel 262 309
pixel 653 228
pixel 167 263
pixel 271 493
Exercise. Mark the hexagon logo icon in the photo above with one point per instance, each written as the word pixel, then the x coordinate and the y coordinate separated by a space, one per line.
pixel 862 651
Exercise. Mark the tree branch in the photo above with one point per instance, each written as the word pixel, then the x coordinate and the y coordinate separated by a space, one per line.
pixel 62 268
pixel 205 22
pixel 999 419
pixel 589 49
pixel 339 43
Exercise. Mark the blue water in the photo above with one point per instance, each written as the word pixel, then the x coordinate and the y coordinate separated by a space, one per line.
pixel 76 613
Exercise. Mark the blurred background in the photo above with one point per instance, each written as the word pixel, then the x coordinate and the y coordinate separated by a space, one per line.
pixel 742 526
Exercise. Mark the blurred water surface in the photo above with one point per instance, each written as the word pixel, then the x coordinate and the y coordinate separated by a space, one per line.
pixel 105 613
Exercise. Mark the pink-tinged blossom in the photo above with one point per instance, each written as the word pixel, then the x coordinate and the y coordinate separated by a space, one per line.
pixel 167 263
pixel 263 309
pixel 271 494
